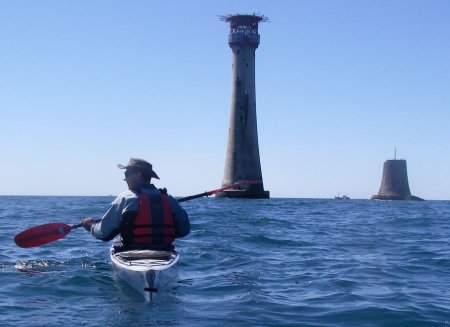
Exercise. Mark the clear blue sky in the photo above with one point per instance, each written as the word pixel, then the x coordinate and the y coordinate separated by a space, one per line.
pixel 84 85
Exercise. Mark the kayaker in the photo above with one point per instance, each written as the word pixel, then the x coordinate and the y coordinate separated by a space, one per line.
pixel 144 216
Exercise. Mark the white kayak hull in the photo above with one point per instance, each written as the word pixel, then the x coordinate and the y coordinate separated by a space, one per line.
pixel 144 270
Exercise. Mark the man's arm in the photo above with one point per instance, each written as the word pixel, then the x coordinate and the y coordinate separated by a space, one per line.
pixel 182 225
pixel 110 224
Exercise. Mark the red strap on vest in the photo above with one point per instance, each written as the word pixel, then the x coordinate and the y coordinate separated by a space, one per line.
pixel 142 220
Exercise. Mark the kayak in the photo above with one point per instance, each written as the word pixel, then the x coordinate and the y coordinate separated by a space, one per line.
pixel 144 270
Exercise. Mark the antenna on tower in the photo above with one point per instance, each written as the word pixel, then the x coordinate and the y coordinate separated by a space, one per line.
pixel 395 153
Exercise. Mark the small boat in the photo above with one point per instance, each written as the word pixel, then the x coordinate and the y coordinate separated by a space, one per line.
pixel 144 270
pixel 344 197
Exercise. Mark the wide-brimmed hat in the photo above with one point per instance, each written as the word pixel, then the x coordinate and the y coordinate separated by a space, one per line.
pixel 141 165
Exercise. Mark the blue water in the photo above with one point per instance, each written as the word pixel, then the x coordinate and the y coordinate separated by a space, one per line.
pixel 277 262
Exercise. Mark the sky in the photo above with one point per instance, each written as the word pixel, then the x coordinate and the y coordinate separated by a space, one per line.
pixel 341 86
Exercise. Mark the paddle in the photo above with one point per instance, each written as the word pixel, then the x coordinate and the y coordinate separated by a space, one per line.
pixel 47 233
pixel 43 234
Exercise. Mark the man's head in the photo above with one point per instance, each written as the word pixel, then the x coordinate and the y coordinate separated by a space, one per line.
pixel 138 171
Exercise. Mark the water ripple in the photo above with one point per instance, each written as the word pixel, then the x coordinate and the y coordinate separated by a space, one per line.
pixel 277 262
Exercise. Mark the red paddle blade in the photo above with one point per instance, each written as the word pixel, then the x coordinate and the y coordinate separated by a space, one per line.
pixel 43 234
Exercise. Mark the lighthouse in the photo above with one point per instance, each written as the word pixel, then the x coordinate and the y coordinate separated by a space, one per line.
pixel 242 161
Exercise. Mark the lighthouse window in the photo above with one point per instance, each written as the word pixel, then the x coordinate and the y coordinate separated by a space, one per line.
pixel 246 64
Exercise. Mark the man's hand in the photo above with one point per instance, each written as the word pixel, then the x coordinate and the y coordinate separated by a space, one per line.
pixel 87 223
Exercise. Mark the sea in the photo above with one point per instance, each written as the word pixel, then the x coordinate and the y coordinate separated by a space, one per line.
pixel 271 262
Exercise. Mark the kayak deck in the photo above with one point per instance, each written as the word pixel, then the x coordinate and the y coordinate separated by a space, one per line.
pixel 142 269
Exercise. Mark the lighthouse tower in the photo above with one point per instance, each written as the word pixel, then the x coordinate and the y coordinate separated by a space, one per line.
pixel 242 157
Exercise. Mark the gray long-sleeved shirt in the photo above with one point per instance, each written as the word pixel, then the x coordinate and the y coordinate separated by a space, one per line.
pixel 109 226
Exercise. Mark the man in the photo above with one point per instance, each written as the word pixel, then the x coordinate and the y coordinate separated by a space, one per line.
pixel 145 217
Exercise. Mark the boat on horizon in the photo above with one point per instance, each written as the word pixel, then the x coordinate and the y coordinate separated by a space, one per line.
pixel 343 197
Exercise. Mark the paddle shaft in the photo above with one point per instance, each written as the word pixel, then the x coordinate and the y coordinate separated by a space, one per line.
pixel 196 196
pixel 200 195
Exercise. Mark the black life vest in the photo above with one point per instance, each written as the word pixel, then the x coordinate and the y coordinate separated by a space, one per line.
pixel 153 225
